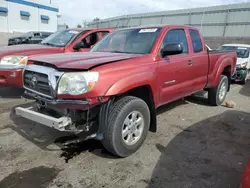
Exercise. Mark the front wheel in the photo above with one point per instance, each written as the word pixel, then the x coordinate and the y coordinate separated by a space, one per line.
pixel 217 95
pixel 128 125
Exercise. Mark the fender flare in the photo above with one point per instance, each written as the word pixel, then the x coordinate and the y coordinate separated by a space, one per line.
pixel 220 68
pixel 133 81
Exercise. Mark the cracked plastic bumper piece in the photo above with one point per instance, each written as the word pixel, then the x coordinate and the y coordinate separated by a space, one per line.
pixel 56 123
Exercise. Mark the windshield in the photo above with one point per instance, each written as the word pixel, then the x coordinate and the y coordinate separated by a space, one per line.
pixel 27 34
pixel 135 41
pixel 242 52
pixel 60 38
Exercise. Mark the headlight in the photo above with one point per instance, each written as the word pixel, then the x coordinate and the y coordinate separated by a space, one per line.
pixel 14 60
pixel 243 65
pixel 77 83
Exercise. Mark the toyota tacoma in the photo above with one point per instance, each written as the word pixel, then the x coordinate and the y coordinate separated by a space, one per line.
pixel 113 91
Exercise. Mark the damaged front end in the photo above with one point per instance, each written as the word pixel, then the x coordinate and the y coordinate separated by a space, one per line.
pixel 241 71
pixel 52 113
pixel 240 74
pixel 70 115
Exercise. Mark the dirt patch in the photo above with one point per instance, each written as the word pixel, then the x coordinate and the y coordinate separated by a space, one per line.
pixel 39 177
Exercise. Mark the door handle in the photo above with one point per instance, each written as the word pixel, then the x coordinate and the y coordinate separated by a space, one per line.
pixel 190 62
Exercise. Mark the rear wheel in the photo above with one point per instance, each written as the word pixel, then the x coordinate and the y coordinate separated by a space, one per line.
pixel 217 95
pixel 127 127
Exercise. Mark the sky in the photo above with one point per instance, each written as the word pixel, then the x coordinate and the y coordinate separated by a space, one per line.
pixel 76 11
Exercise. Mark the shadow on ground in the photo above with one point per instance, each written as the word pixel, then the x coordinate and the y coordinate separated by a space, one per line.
pixel 245 90
pixel 39 176
pixel 211 153
pixel 199 98
pixel 11 92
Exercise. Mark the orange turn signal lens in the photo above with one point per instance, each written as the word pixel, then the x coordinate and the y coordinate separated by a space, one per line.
pixel 24 61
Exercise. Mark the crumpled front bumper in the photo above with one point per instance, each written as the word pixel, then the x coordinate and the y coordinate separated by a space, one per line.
pixel 40 112
pixel 30 113
pixel 239 75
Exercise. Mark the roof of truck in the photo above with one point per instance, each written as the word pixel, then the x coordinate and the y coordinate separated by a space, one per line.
pixel 84 29
pixel 160 26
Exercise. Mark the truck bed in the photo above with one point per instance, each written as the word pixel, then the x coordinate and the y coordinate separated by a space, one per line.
pixel 219 56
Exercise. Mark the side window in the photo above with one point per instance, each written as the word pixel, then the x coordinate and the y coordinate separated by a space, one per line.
pixel 176 36
pixel 196 40
pixel 37 35
pixel 91 39
pixel 104 33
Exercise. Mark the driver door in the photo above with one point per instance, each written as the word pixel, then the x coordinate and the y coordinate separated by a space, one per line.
pixel 174 70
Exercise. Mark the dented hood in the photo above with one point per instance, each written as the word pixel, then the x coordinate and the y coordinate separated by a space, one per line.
pixel 26 49
pixel 83 60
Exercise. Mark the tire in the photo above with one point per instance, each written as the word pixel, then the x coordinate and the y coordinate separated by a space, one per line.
pixel 123 109
pixel 214 96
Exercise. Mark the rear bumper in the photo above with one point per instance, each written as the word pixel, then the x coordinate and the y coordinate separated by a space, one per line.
pixel 60 124
pixel 11 77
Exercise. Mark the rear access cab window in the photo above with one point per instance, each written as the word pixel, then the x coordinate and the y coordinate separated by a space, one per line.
pixel 196 40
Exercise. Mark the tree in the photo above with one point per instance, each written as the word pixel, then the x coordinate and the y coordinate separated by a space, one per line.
pixel 67 26
pixel 79 26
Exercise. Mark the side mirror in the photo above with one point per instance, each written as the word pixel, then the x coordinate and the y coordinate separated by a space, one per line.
pixel 172 49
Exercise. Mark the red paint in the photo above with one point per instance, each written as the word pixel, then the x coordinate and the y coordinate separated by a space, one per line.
pixel 6 78
pixel 122 72
pixel 34 50
pixel 246 177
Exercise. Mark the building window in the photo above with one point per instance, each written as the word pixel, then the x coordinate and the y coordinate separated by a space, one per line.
pixel 3 11
pixel 24 13
pixel 44 17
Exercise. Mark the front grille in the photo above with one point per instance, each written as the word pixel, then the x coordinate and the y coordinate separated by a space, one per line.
pixel 38 82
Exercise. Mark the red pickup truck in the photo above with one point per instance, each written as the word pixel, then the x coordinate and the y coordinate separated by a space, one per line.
pixel 14 58
pixel 113 91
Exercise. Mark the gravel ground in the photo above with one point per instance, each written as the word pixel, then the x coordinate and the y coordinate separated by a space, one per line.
pixel 196 146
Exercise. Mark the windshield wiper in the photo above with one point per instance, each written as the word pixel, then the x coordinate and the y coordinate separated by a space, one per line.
pixel 117 51
pixel 49 44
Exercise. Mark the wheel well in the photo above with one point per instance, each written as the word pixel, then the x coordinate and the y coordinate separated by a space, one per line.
pixel 227 72
pixel 145 93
